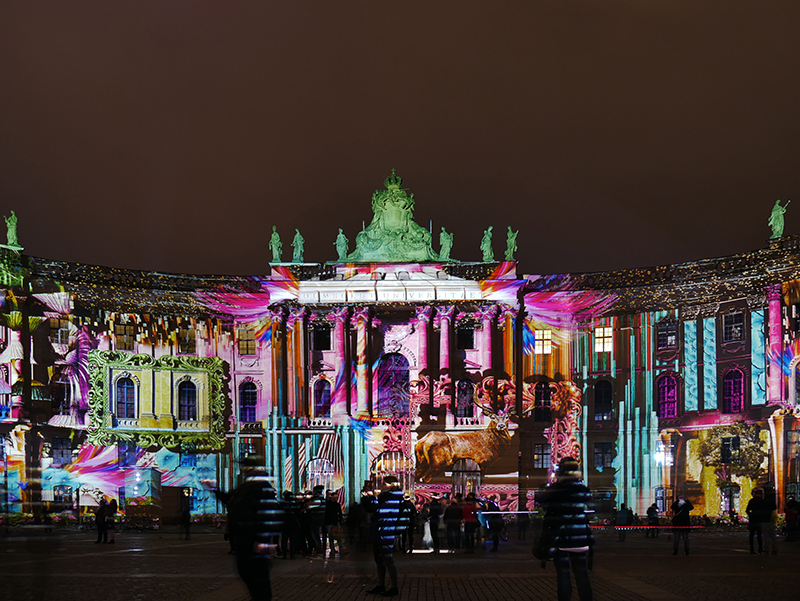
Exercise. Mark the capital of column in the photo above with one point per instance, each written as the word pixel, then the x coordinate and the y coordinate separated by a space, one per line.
pixel 338 315
pixel 360 314
pixel 295 315
pixel 487 313
pixel 276 315
pixel 506 312
pixel 423 315
pixel 443 313
pixel 773 291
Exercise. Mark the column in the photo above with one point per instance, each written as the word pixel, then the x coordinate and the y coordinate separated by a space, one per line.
pixel 340 388
pixel 423 317
pixel 444 319
pixel 506 322
pixel 775 377
pixel 296 362
pixel 278 364
pixel 487 315
pixel 360 320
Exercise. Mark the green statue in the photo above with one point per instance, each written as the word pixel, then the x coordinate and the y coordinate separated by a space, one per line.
pixel 776 221
pixel 486 246
pixel 392 235
pixel 298 244
pixel 511 243
pixel 445 244
pixel 275 245
pixel 11 224
pixel 341 245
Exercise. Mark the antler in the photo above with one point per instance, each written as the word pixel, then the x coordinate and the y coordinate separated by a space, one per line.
pixel 505 395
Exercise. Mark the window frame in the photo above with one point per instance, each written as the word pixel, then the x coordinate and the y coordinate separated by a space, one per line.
pixel 667 335
pixel 603 415
pixel 127 402
pixel 543 342
pixel 187 404
pixel 246 342
pixel 542 456
pixel 733 326
pixel 605 451
pixel 727 396
pixel 125 336
pixel 604 339
pixel 668 396
pixel 251 388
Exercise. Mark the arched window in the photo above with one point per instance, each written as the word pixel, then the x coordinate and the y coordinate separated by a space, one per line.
pixel 466 477
pixel 248 398
pixel 541 395
pixel 465 393
pixel 187 401
pixel 320 471
pixel 61 394
pixel 603 400
pixel 733 392
pixel 126 398
pixel 393 463
pixel 667 396
pixel 393 385
pixel 322 398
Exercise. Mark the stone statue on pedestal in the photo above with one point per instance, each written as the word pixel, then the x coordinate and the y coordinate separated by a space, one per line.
pixel 486 246
pixel 776 220
pixel 298 244
pixel 445 244
pixel 511 243
pixel 341 245
pixel 275 245
pixel 11 224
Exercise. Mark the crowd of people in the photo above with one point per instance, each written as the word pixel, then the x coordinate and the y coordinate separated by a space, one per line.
pixel 262 526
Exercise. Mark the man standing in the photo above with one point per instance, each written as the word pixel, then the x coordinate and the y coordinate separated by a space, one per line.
pixel 256 519
pixel 385 505
pixel 452 522
pixel 434 516
pixel 652 521
pixel 566 526
pixel 681 523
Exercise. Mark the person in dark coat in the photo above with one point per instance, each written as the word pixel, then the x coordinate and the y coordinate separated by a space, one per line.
pixel 623 522
pixel 333 523
pixel 290 537
pixel 315 512
pixel 567 527
pixel 756 516
pixel 681 522
pixel 256 520
pixel 435 511
pixel 388 522
pixel 652 521
pixel 100 522
pixel 452 522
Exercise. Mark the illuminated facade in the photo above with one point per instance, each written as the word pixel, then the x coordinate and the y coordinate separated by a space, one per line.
pixel 454 376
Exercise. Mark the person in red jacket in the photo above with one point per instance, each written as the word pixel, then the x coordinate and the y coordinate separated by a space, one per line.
pixel 471 522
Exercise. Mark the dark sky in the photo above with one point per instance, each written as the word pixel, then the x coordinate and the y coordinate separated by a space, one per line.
pixel 171 135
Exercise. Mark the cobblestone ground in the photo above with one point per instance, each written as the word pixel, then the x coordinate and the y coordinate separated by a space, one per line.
pixel 68 566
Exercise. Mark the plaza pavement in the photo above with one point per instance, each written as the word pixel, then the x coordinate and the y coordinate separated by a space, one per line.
pixel 68 566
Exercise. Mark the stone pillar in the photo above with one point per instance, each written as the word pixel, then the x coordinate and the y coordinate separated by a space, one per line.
pixel 444 319
pixel 278 363
pixel 296 354
pixel 339 394
pixel 360 320
pixel 423 317
pixel 779 423
pixel 775 346
pixel 487 315
pixel 506 322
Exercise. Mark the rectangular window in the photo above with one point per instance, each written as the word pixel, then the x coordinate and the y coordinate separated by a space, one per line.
pixel 59 330
pixel 188 460
pixel 602 454
pixel 543 342
pixel 125 335
pixel 733 327
pixel 187 341
pixel 667 336
pixel 247 447
pixel 122 498
pixel 541 456
pixel 729 449
pixel 465 339
pixel 61 451
pixel 62 494
pixel 247 341
pixel 321 339
pixel 603 340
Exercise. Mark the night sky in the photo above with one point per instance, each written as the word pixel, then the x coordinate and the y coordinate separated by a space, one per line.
pixel 171 135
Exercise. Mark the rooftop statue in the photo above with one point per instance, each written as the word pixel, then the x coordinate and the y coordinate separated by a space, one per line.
pixel 392 236
pixel 486 246
pixel 275 245
pixel 11 224
pixel 445 244
pixel 511 243
pixel 298 244
pixel 776 219
pixel 341 245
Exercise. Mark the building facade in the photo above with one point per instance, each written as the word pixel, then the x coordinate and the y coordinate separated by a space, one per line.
pixel 396 359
